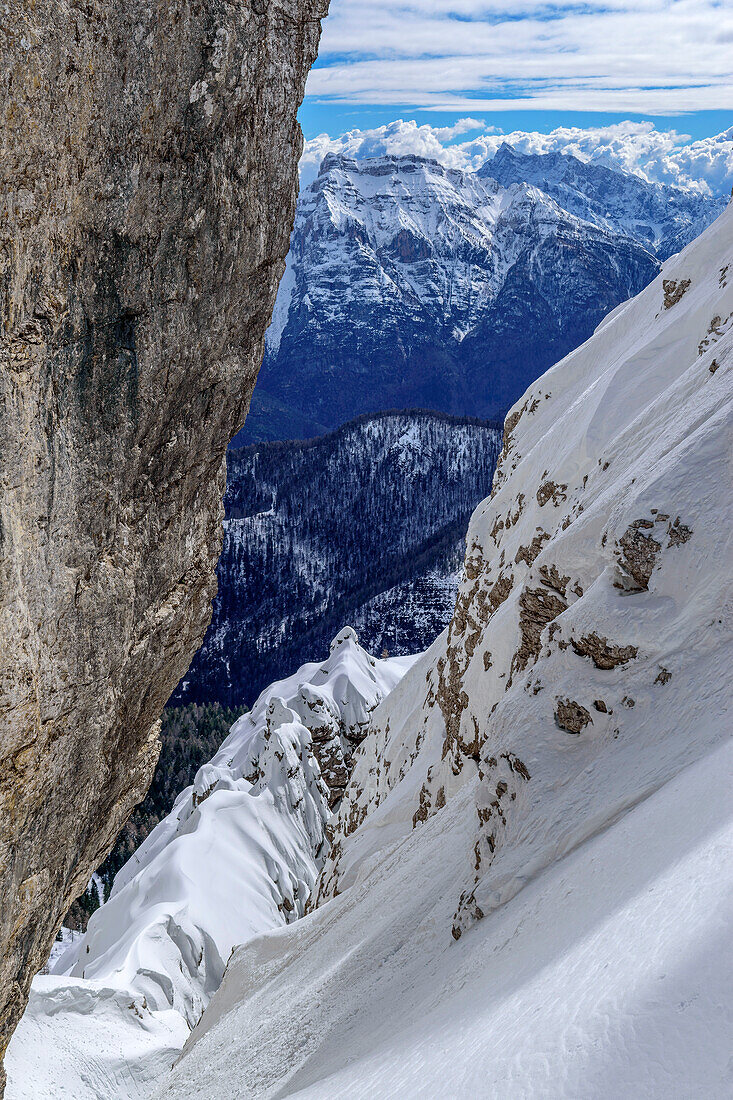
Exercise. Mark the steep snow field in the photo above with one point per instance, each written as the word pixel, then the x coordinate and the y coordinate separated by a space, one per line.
pixel 237 856
pixel 529 889
pixel 607 976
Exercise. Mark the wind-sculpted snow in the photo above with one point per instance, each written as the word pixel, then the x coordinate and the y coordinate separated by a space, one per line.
pixel 528 890
pixel 240 850
pixel 237 856
pixel 82 1040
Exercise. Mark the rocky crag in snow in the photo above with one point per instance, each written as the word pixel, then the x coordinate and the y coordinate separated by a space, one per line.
pixel 410 284
pixel 528 886
pixel 363 527
pixel 237 856
pixel 147 190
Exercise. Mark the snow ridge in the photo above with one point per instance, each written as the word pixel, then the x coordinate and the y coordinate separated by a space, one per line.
pixel 237 856
pixel 241 848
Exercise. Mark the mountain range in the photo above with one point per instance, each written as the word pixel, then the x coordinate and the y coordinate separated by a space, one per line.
pixel 660 217
pixel 409 284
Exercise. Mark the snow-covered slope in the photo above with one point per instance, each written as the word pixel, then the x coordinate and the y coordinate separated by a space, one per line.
pixel 531 877
pixel 413 285
pixel 237 856
pixel 84 1040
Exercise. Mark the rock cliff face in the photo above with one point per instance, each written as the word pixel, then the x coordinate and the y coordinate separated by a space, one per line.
pixel 148 187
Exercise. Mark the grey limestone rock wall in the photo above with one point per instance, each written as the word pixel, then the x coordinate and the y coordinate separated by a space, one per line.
pixel 148 176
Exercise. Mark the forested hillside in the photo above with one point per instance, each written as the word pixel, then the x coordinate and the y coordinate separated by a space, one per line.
pixel 362 527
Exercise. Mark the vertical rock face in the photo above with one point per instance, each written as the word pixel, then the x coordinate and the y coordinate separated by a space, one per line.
pixel 149 156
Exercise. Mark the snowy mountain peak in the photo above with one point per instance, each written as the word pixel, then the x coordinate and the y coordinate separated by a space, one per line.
pixel 410 284
pixel 659 216
pixel 385 165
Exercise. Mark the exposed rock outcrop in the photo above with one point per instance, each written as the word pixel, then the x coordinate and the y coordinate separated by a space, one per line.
pixel 572 716
pixel 148 186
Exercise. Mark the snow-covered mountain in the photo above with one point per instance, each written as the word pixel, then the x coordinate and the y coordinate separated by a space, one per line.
pixel 237 856
pixel 660 217
pixel 365 526
pixel 528 890
pixel 409 284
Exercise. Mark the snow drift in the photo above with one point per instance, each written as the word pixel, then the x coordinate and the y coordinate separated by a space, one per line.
pixel 530 879
pixel 237 856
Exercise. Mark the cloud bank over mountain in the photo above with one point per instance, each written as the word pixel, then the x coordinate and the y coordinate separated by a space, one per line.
pixel 660 156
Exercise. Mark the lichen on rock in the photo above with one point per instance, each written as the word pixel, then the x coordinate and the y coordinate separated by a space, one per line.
pixel 572 716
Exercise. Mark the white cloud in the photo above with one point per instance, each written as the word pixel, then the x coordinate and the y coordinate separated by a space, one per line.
pixel 664 156
pixel 399 138
pixel 640 56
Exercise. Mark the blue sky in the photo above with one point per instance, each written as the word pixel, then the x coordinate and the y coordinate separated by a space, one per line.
pixel 521 65
pixel 317 117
